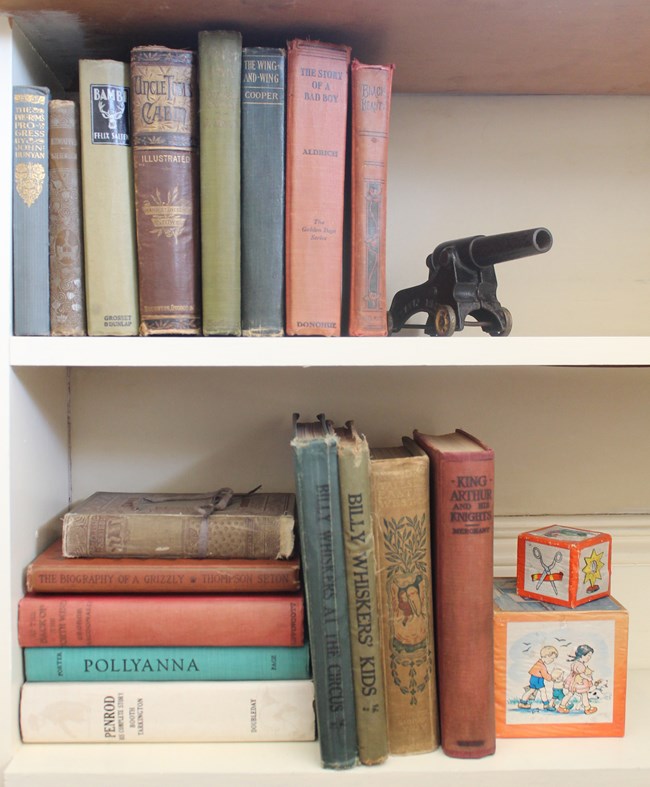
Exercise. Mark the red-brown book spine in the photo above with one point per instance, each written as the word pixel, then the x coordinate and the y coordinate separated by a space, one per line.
pixel 317 100
pixel 176 620
pixel 371 88
pixel 50 572
pixel 165 175
pixel 462 492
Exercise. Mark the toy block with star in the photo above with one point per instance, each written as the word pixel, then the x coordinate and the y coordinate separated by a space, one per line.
pixel 565 565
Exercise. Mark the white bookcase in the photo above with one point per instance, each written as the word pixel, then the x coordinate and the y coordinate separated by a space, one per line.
pixel 506 116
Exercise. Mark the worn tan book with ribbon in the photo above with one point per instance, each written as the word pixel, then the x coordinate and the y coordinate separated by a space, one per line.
pixel 218 524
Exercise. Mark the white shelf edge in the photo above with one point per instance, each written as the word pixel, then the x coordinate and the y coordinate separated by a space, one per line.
pixel 534 762
pixel 401 351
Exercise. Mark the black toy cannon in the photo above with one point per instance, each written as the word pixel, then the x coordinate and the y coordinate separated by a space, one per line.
pixel 462 283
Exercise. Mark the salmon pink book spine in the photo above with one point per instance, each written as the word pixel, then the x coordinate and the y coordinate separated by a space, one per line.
pixel 175 620
pixel 317 101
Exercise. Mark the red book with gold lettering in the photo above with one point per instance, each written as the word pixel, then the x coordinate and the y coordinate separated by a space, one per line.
pixel 370 111
pixel 462 505
pixel 317 100
pixel 49 620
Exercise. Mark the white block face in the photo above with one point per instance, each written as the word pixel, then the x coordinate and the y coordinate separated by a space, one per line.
pixel 593 567
pixel 546 570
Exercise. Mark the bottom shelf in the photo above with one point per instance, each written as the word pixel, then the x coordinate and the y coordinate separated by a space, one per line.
pixel 535 763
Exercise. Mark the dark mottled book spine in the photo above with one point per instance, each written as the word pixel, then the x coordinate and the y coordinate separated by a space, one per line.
pixel 320 529
pixel 30 212
pixel 165 173
pixel 67 295
pixel 262 218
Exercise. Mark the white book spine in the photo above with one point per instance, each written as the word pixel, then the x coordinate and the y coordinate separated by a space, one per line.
pixel 134 712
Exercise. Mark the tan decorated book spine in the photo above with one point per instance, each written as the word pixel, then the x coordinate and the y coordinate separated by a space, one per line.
pixel 370 110
pixel 107 185
pixel 462 493
pixel 317 100
pixel 67 293
pixel 400 514
pixel 121 524
pixel 165 172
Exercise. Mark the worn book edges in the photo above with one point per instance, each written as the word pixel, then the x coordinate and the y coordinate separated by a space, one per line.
pixel 400 515
pixel 130 620
pixel 67 289
pixel 371 87
pixel 51 572
pixel 220 55
pixel 31 266
pixel 125 524
pixel 462 493
pixel 262 196
pixel 165 173
pixel 155 664
pixel 314 447
pixel 365 641
pixel 108 199
pixel 317 100
pixel 141 712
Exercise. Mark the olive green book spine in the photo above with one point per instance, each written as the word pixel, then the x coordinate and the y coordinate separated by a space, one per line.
pixel 365 638
pixel 31 286
pixel 220 57
pixel 108 199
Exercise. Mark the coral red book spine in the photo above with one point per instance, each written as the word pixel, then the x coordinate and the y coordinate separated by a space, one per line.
pixel 317 100
pixel 50 572
pixel 176 620
pixel 371 87
pixel 462 492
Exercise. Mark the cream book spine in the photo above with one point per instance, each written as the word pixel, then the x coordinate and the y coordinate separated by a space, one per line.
pixel 167 712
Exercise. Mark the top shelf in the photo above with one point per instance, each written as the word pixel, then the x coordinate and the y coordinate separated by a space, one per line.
pixel 466 46
pixel 393 351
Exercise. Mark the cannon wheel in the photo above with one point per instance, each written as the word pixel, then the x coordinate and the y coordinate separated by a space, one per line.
pixel 508 325
pixel 444 321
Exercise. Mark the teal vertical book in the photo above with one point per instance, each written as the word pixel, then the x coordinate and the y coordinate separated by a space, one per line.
pixel 262 184
pixel 167 663
pixel 314 446
pixel 31 243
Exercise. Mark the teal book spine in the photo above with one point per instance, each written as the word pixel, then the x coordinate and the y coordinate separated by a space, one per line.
pixel 31 239
pixel 157 664
pixel 262 183
pixel 314 447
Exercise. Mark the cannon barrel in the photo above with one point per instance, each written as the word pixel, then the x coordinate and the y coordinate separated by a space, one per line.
pixel 485 250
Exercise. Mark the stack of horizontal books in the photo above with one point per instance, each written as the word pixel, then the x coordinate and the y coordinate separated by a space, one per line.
pixel 155 609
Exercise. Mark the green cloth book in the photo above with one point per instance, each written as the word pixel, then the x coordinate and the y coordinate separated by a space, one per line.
pixel 160 663
pixel 31 249
pixel 314 448
pixel 262 198
pixel 220 53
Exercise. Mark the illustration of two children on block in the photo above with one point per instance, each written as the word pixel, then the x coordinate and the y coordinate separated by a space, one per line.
pixel 567 685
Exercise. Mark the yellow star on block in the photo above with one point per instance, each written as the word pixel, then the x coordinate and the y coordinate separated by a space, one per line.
pixel 592 567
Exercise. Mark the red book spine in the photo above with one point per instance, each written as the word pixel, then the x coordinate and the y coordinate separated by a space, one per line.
pixel 370 111
pixel 462 491
pixel 317 98
pixel 50 572
pixel 157 620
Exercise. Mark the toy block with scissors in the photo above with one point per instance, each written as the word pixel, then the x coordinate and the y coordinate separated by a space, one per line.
pixel 565 565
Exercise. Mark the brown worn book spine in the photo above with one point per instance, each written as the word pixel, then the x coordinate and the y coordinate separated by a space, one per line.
pixel 165 172
pixel 317 97
pixel 121 524
pixel 370 111
pixel 462 492
pixel 50 572
pixel 67 295
pixel 400 514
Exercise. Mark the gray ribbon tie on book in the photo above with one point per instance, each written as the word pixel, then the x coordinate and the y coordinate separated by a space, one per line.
pixel 216 501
